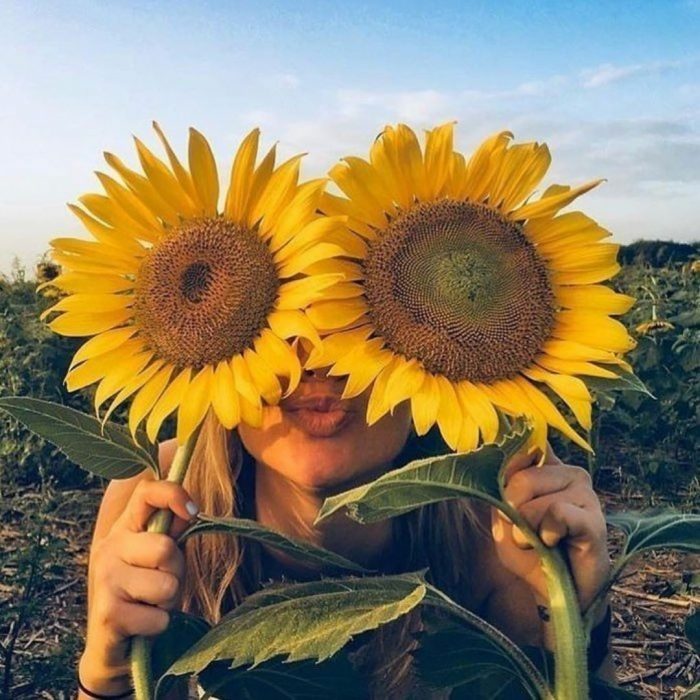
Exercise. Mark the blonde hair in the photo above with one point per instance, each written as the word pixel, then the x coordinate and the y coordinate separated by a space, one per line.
pixel 222 570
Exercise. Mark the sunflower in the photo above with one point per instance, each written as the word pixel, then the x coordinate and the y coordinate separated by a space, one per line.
pixel 188 307
pixel 473 298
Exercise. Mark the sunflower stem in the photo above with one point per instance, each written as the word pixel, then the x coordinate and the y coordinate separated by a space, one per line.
pixel 570 658
pixel 141 675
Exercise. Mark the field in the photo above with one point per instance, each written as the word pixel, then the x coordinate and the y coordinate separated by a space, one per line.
pixel 645 457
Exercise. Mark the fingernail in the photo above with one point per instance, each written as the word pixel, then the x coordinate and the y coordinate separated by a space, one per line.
pixel 191 508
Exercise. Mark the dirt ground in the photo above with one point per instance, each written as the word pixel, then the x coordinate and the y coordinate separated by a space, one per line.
pixel 650 603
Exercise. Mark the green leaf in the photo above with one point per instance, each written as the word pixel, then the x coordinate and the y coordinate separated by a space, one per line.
pixel 692 630
pixel 469 661
pixel 465 474
pixel 282 680
pixel 626 381
pixel 657 530
pixel 182 632
pixel 498 643
pixel 667 529
pixel 251 529
pixel 107 451
pixel 303 621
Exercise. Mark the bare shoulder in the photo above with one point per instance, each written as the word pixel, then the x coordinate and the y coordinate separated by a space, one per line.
pixel 118 491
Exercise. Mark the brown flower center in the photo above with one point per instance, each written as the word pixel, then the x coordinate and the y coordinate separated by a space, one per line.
pixel 205 292
pixel 460 288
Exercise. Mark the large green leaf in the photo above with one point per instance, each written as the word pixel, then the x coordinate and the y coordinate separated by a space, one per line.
pixel 251 529
pixel 284 680
pixel 303 621
pixel 466 474
pixel 666 529
pixel 182 632
pixel 470 662
pixel 626 381
pixel 107 451
pixel 495 649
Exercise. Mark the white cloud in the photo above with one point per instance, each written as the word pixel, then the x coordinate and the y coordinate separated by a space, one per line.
pixel 608 73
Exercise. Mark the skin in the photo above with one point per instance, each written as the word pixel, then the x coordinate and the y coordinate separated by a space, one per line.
pixel 135 577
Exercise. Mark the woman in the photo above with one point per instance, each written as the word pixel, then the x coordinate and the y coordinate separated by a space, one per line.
pixel 309 447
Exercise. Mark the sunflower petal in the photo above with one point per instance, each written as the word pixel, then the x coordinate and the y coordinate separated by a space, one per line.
pixel 425 404
pixel 299 293
pixel 328 315
pixel 378 404
pixel 119 376
pixel 361 365
pixel 274 352
pixel 449 416
pixel 286 222
pixel 548 206
pixel 194 404
pixel 166 403
pixel 406 379
pixel 439 144
pixel 80 283
pixel 179 197
pixel 595 329
pixel 594 297
pixel 95 368
pixel 131 387
pixel 476 402
pixel 293 323
pixel 181 174
pixel 550 411
pixel 571 389
pixel 237 197
pixel 101 343
pixel 107 235
pixel 334 346
pixel 264 377
pixel 79 324
pixel 319 251
pixel 556 364
pixel 224 398
pixel 245 385
pixel 147 396
pixel 204 173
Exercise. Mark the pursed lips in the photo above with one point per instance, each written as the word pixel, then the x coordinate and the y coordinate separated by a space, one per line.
pixel 319 414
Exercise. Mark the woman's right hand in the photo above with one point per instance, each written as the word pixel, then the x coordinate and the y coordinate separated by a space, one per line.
pixel 135 578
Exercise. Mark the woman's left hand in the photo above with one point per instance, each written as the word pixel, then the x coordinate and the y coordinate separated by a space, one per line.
pixel 558 502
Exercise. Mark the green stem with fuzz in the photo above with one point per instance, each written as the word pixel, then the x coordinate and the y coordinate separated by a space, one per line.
pixel 570 657
pixel 160 522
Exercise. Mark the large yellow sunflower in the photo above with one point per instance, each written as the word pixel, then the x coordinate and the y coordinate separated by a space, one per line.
pixel 469 295
pixel 189 307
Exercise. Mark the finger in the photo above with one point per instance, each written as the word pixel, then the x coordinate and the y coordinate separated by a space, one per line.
pixel 150 496
pixel 532 482
pixel 151 550
pixel 137 619
pixel 178 526
pixel 564 520
pixel 150 586
pixel 502 528
pixel 534 511
pixel 519 461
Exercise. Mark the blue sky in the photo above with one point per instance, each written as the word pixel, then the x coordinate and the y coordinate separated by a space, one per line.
pixel 612 87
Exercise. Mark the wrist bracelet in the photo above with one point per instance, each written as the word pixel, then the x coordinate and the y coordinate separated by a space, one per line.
pixel 598 642
pixel 101 696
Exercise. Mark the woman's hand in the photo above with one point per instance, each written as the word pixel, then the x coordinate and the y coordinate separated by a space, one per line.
pixel 135 579
pixel 558 502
